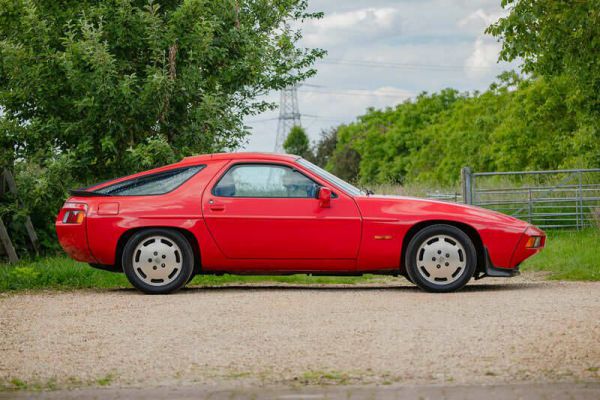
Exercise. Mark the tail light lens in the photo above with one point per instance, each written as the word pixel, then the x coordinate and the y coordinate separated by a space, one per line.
pixel 74 213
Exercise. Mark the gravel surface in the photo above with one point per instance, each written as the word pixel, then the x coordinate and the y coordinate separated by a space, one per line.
pixel 529 391
pixel 493 332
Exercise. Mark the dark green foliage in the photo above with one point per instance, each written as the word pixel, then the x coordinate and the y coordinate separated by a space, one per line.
pixel 297 143
pixel 97 89
pixel 345 163
pixel 323 149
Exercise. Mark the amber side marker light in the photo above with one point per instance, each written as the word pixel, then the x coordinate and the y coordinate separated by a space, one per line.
pixel 534 242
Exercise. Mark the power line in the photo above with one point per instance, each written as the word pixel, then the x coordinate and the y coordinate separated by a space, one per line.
pixel 352 92
pixel 310 116
pixel 395 65
pixel 323 117
pixel 253 121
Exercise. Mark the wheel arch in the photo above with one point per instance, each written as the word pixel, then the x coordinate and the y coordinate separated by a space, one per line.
pixel 466 228
pixel 130 232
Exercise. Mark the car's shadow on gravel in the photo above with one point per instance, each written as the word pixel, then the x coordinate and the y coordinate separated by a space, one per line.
pixel 275 287
pixel 354 288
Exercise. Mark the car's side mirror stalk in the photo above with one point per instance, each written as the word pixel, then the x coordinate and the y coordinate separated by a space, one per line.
pixel 324 196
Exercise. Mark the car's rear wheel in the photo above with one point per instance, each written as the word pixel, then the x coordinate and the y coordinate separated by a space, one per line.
pixel 158 261
pixel 441 258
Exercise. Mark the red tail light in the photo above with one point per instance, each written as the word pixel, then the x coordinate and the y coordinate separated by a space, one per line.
pixel 74 213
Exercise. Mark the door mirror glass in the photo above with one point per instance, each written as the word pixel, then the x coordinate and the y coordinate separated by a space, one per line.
pixel 324 197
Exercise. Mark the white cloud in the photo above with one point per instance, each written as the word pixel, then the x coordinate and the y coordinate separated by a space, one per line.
pixel 484 55
pixel 479 19
pixel 364 24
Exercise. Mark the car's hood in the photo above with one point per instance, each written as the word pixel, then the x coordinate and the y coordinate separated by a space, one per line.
pixel 413 208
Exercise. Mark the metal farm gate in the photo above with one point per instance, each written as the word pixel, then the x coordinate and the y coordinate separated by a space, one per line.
pixel 549 199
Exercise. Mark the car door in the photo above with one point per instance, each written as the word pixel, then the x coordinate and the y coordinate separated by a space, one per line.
pixel 269 211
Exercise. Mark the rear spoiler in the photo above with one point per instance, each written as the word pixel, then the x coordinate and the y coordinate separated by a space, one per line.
pixel 86 193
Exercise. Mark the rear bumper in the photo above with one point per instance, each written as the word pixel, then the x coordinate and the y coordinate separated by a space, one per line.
pixel 73 240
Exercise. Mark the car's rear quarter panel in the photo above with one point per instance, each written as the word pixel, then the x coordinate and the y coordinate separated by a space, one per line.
pixel 181 209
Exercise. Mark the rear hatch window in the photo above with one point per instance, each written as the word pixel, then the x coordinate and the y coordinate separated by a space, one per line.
pixel 152 184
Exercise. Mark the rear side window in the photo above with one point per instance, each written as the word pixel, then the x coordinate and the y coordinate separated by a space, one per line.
pixel 154 184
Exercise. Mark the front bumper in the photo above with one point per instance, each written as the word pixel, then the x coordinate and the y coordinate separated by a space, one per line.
pixel 492 271
pixel 521 252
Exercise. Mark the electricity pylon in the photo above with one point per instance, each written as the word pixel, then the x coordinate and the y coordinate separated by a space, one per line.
pixel 289 115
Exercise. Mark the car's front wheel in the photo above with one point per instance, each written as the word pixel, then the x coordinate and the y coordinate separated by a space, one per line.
pixel 158 261
pixel 441 258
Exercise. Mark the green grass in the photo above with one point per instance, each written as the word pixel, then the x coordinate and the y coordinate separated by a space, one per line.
pixel 56 273
pixel 569 255
pixel 62 273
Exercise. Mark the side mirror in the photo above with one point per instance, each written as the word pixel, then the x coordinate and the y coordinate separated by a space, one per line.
pixel 324 196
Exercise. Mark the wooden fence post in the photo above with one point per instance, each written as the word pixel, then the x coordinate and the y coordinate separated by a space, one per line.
pixel 8 181
pixel 12 187
pixel 7 244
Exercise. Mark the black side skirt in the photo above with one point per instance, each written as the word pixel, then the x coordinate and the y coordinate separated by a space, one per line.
pixel 110 268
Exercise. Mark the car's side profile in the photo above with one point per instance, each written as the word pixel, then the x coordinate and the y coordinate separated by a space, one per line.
pixel 253 213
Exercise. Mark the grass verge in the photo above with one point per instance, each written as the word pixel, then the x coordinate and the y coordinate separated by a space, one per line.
pixel 569 255
pixel 62 273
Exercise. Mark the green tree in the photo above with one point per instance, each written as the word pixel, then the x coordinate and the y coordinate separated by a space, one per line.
pixel 121 85
pixel 345 163
pixel 552 37
pixel 297 143
pixel 559 40
pixel 324 147
pixel 95 89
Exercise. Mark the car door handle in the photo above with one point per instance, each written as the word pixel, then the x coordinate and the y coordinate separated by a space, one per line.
pixel 216 206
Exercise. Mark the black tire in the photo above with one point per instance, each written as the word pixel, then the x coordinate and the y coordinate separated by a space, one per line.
pixel 423 262
pixel 181 266
pixel 192 276
pixel 405 275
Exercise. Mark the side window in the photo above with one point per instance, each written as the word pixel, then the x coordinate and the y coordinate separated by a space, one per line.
pixel 263 180
pixel 155 184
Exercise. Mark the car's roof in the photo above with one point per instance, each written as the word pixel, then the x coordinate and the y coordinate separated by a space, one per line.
pixel 238 156
pixel 201 159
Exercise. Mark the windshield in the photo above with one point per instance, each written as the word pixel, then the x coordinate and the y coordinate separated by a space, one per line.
pixel 351 189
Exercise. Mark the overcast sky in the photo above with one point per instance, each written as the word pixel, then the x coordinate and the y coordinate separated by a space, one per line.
pixel 381 52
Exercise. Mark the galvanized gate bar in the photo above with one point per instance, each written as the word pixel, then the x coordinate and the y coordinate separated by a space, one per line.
pixel 568 202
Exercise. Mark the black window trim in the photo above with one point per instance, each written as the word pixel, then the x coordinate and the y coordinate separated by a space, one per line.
pixel 212 190
pixel 202 166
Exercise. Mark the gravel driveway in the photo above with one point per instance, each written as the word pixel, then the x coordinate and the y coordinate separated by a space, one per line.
pixel 497 331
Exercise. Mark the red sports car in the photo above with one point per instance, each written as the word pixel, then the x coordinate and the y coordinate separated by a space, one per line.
pixel 249 213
